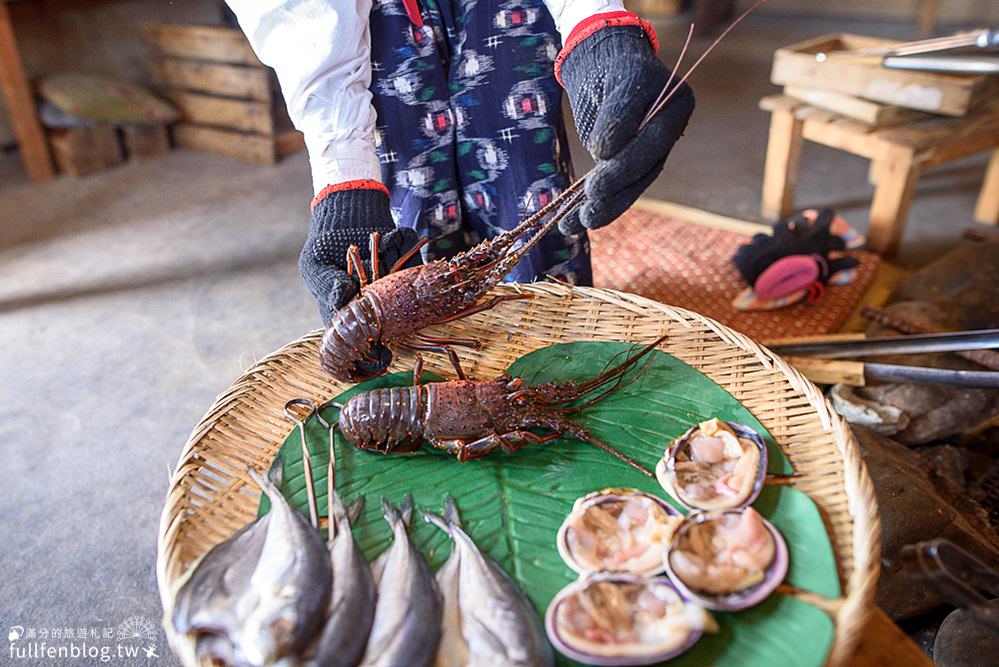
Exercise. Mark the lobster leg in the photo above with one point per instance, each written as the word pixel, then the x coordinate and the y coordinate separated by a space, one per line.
pixel 485 305
pixel 468 450
pixel 354 265
pixel 435 340
pixel 401 262
pixel 373 253
pixel 441 349
pixel 417 369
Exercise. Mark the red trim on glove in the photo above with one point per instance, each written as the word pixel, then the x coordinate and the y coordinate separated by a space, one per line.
pixel 359 184
pixel 590 25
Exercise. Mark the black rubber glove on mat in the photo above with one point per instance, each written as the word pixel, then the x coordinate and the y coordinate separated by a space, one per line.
pixel 612 77
pixel 341 219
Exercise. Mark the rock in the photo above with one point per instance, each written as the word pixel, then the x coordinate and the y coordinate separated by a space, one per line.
pixel 949 463
pixel 913 510
pixel 935 412
pixel 882 419
pixel 963 282
pixel 965 641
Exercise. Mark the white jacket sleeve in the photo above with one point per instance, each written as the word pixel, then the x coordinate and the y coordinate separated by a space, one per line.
pixel 321 50
pixel 568 13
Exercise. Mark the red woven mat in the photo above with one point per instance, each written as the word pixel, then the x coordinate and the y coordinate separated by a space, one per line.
pixel 685 264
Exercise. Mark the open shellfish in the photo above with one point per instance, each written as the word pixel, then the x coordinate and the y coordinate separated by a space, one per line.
pixel 624 619
pixel 617 530
pixel 727 560
pixel 715 465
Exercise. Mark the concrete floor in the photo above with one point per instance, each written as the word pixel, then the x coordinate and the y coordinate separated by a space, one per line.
pixel 131 298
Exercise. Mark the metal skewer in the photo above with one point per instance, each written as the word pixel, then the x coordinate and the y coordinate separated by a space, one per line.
pixel 306 455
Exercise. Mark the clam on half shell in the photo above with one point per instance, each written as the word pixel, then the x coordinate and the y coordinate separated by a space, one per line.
pixel 617 530
pixel 727 560
pixel 624 619
pixel 715 465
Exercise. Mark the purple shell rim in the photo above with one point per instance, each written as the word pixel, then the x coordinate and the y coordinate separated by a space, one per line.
pixel 741 431
pixel 562 538
pixel 605 660
pixel 741 599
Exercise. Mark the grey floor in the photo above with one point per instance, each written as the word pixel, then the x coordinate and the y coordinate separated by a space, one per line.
pixel 129 299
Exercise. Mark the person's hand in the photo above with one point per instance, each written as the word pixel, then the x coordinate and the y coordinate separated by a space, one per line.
pixel 610 71
pixel 344 215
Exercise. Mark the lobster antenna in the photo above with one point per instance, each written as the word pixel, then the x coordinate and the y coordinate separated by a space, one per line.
pixel 619 383
pixel 587 437
pixel 612 373
pixel 672 75
pixel 718 40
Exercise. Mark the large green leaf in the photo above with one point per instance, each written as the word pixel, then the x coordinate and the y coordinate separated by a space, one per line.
pixel 513 504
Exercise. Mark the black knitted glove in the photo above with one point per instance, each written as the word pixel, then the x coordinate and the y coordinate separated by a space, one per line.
pixel 612 76
pixel 340 219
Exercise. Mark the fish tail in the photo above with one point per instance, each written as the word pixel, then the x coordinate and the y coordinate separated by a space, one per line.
pixel 407 509
pixel 354 509
pixel 438 521
pixel 451 511
pixel 271 483
pixel 391 513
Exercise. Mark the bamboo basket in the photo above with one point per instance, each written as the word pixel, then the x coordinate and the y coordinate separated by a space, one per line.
pixel 211 496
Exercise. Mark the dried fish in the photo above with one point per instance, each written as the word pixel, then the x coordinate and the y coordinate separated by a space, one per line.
pixel 259 595
pixel 498 624
pixel 407 624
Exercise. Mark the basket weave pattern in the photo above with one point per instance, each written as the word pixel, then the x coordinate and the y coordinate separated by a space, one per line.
pixel 211 495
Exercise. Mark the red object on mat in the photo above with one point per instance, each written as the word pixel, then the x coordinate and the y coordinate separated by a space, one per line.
pixel 685 264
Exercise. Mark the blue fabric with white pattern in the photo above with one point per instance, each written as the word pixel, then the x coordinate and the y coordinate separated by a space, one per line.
pixel 470 132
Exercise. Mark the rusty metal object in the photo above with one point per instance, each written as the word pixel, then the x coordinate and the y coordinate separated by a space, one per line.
pixel 987 358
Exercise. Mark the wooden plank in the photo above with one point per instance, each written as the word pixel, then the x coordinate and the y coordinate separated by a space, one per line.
pixel 200 42
pixel 897 174
pixel 288 141
pixel 865 111
pixel 883 644
pixel 216 78
pixel 145 141
pixel 780 172
pixel 987 207
pixel 701 217
pixel 244 115
pixel 947 94
pixel 21 104
pixel 829 371
pixel 80 151
pixel 237 145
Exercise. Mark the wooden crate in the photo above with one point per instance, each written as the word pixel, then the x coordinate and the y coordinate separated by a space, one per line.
pixel 947 94
pixel 80 151
pixel 871 113
pixel 226 97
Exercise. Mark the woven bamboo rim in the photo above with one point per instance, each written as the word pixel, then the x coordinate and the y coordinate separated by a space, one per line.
pixel 211 496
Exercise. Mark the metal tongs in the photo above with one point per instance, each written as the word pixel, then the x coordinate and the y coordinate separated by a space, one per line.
pixel 805 354
pixel 956 576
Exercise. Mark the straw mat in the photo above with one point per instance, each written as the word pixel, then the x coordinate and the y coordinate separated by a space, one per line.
pixel 690 265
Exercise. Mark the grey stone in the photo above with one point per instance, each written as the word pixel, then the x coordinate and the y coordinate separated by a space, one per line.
pixel 965 641
pixel 913 510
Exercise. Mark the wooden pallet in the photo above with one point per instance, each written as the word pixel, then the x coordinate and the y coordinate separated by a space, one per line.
pixel 227 98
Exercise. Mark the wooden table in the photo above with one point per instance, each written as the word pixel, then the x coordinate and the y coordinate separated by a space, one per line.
pixel 20 104
pixel 899 154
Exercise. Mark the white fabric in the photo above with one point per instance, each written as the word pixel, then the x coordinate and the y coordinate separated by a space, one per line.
pixel 321 50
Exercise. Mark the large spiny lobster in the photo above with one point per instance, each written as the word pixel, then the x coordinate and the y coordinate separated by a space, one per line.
pixel 393 308
pixel 470 418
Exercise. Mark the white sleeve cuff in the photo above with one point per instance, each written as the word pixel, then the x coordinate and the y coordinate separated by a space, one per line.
pixel 569 13
pixel 337 161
